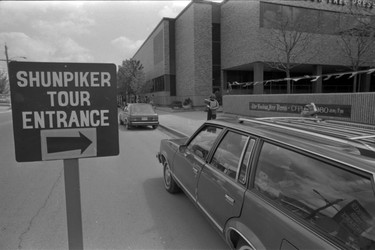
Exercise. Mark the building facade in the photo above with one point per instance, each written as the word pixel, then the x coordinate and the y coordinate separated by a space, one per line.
pixel 210 46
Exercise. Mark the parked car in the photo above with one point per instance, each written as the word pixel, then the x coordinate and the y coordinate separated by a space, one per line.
pixel 139 114
pixel 279 183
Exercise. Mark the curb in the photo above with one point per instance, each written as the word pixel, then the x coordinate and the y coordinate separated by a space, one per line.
pixel 179 134
pixel 173 131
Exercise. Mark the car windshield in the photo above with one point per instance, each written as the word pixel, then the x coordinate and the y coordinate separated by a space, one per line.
pixel 141 109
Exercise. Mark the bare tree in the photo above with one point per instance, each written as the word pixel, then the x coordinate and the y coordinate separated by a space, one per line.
pixel 289 44
pixel 4 83
pixel 357 39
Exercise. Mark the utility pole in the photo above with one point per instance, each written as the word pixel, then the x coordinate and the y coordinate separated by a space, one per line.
pixel 7 58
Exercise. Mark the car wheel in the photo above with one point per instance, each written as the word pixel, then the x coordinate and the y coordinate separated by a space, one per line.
pixel 154 126
pixel 242 245
pixel 169 183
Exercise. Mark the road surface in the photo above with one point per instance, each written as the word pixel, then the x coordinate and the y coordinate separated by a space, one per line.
pixel 124 204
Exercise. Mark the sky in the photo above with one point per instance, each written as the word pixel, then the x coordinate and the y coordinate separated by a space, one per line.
pixel 79 31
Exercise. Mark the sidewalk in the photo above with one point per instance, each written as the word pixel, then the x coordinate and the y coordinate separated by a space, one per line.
pixel 183 123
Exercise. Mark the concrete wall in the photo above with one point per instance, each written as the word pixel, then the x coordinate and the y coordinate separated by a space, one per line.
pixel 362 105
pixel 202 52
pixel 194 53
pixel 184 28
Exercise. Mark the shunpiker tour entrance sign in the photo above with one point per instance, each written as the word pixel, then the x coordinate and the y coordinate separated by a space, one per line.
pixel 64 111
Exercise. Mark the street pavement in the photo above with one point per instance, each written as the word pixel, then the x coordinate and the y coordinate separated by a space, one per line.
pixel 183 123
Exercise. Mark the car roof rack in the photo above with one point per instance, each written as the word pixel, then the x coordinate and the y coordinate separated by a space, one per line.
pixel 342 131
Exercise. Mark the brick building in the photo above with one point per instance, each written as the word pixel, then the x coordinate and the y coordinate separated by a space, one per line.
pixel 210 45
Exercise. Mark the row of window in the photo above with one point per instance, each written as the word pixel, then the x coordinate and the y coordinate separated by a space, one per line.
pixel 164 83
pixel 310 20
pixel 337 201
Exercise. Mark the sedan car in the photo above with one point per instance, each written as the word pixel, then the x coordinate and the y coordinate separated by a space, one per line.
pixel 139 114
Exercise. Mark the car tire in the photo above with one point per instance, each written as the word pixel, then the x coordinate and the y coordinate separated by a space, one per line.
pixel 242 245
pixel 154 126
pixel 169 183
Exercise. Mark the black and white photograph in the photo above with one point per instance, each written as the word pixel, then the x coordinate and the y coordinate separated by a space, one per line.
pixel 187 124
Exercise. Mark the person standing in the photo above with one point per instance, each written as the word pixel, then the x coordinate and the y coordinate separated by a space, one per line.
pixel 309 110
pixel 212 106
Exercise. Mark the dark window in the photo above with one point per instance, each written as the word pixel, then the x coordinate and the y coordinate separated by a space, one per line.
pixel 216 76
pixel 284 17
pixel 172 85
pixel 329 22
pixel 202 143
pixel 228 154
pixel 306 20
pixel 338 202
pixel 216 55
pixel 269 14
pixel 216 32
pixel 158 84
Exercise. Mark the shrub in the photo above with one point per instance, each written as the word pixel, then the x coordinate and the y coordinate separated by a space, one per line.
pixel 188 101
pixel 176 104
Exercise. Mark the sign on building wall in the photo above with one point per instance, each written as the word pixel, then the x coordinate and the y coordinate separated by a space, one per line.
pixel 63 110
pixel 358 3
pixel 296 108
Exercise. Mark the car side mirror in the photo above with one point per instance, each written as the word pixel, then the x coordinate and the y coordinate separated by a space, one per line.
pixel 182 149
pixel 199 154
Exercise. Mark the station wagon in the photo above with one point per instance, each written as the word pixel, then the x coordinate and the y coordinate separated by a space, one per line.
pixel 279 183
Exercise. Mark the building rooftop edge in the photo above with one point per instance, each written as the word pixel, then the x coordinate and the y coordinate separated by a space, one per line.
pixel 173 19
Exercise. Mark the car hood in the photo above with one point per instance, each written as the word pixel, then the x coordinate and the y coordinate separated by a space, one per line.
pixel 172 143
pixel 179 141
pixel 144 114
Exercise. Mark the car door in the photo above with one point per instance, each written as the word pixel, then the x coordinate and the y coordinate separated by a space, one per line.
pixel 221 185
pixel 188 164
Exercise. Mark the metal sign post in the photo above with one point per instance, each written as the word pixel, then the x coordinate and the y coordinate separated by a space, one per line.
pixel 73 204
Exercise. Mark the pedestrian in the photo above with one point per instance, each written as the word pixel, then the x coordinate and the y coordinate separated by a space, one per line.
pixel 212 106
pixel 309 110
pixel 152 100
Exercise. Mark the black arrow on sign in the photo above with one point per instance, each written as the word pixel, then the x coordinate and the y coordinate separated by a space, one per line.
pixel 60 144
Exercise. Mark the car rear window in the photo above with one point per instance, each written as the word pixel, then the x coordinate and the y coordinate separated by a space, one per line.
pixel 339 202
pixel 142 109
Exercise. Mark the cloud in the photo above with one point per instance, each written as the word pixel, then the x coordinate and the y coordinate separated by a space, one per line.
pixel 67 50
pixel 172 10
pixel 21 45
pixel 126 46
pixel 38 49
pixel 77 26
pixel 47 31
